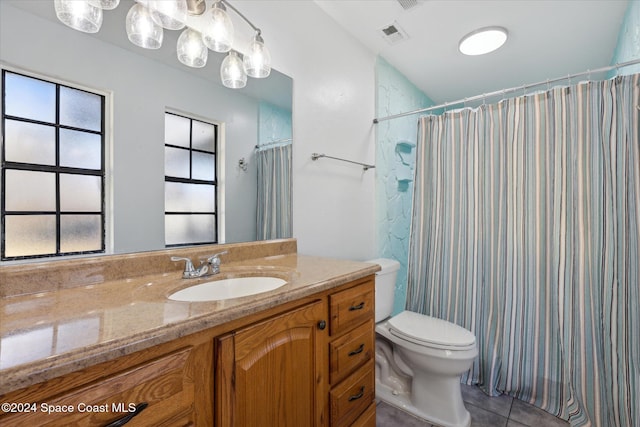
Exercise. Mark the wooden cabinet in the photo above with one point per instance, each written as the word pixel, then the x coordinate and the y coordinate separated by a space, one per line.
pixel 272 373
pixel 352 306
pixel 171 389
pixel 303 363
pixel 351 355
pixel 296 369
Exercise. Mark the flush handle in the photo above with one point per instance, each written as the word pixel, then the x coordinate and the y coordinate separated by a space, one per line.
pixel 357 307
pixel 322 324
pixel 357 351
pixel 357 396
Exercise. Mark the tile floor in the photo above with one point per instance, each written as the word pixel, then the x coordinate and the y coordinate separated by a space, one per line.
pixel 502 411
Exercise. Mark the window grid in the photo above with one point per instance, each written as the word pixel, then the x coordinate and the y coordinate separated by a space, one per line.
pixel 56 169
pixel 191 180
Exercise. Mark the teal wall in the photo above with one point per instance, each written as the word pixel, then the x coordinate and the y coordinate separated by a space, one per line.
pixel 395 158
pixel 274 123
pixel 629 39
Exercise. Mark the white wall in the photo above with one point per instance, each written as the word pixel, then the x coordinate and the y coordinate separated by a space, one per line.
pixel 333 109
pixel 142 90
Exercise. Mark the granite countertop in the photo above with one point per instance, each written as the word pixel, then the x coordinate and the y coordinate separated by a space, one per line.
pixel 48 334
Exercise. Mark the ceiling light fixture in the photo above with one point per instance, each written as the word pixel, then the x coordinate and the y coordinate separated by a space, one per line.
pixel 218 35
pixel 191 49
pixel 80 15
pixel 147 19
pixel 142 29
pixel 483 40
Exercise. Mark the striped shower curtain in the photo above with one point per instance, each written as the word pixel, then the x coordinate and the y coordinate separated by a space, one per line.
pixel 526 230
pixel 274 192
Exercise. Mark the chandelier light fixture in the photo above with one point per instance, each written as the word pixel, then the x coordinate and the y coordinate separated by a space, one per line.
pixel 83 15
pixel 147 20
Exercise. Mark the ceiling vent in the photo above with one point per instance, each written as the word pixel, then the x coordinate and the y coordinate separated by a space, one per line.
pixel 393 33
pixel 407 4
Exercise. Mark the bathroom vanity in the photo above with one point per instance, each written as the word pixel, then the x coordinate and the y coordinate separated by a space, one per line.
pixel 302 354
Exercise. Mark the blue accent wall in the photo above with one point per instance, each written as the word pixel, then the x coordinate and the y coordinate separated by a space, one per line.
pixel 274 123
pixel 395 160
pixel 629 39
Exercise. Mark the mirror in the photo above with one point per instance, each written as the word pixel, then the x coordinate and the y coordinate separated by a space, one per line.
pixel 142 85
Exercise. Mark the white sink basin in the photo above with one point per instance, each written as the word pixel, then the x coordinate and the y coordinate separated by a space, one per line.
pixel 222 289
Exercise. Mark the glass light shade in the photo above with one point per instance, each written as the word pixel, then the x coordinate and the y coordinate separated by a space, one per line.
pixel 191 49
pixel 80 15
pixel 483 41
pixel 142 30
pixel 257 62
pixel 171 14
pixel 105 4
pixel 232 71
pixel 196 7
pixel 218 35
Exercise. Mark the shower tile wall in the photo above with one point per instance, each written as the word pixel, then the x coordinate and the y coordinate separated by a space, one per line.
pixel 274 123
pixel 395 158
pixel 629 39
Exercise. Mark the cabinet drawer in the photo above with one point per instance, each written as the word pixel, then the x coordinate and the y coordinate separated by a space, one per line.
pixel 352 396
pixel 351 307
pixel 159 383
pixel 351 351
pixel 368 418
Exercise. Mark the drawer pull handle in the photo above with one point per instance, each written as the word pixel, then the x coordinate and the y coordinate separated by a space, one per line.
pixel 322 324
pixel 357 307
pixel 357 396
pixel 122 421
pixel 357 351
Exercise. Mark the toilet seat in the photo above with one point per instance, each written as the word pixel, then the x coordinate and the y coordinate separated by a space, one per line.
pixel 431 332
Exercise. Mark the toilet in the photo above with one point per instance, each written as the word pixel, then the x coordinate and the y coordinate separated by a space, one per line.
pixel 419 359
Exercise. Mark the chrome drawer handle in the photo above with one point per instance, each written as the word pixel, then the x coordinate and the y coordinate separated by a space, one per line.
pixel 357 396
pixel 357 307
pixel 357 351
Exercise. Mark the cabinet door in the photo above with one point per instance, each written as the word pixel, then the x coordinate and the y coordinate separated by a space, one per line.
pixel 274 373
pixel 171 390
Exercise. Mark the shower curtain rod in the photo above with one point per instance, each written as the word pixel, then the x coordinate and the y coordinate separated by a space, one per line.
pixel 276 141
pixel 504 91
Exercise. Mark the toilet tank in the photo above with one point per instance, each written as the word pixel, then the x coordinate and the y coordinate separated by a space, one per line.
pixel 385 286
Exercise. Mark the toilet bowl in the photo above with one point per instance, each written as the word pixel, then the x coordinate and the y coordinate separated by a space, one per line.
pixel 419 358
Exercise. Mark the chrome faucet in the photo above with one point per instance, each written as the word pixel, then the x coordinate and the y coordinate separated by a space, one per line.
pixel 214 262
pixel 206 268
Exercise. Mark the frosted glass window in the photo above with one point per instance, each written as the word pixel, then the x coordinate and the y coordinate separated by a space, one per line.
pixel 177 130
pixel 30 191
pixel 181 197
pixel 204 136
pixel 30 143
pixel 53 164
pixel 204 166
pixel 80 149
pixel 80 233
pixel 80 193
pixel 190 181
pixel 176 162
pixel 80 109
pixel 189 228
pixel 29 98
pixel 29 235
